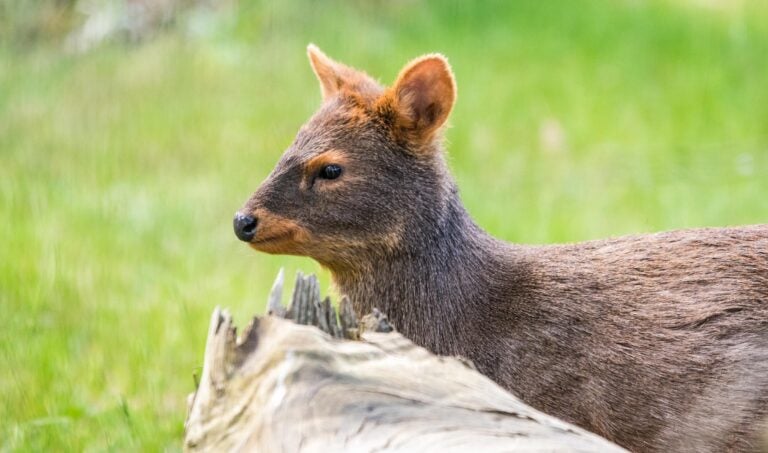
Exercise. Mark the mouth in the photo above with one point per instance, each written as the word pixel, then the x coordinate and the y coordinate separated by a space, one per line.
pixel 274 238
pixel 277 235
pixel 276 244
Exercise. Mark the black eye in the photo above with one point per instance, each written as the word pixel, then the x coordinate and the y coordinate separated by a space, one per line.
pixel 332 171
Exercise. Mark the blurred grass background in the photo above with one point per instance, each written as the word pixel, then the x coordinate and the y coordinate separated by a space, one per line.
pixel 122 162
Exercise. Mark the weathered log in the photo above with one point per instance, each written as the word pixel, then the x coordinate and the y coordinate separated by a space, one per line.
pixel 281 386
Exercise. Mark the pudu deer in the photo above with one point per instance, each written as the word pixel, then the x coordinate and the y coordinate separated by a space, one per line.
pixel 657 342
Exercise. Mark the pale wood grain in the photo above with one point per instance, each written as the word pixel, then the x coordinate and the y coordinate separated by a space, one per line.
pixel 281 386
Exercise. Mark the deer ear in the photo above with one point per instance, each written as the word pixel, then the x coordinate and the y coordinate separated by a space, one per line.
pixel 422 97
pixel 326 70
pixel 334 76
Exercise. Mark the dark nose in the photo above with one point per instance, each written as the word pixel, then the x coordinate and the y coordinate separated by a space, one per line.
pixel 245 227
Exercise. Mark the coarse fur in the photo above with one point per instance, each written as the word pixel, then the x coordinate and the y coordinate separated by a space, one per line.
pixel 657 342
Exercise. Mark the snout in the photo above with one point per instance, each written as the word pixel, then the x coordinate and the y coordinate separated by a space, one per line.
pixel 245 226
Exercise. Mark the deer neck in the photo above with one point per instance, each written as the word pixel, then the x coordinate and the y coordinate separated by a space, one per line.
pixel 435 287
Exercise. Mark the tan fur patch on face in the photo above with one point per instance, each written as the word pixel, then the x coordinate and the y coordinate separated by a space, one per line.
pixel 278 235
pixel 315 164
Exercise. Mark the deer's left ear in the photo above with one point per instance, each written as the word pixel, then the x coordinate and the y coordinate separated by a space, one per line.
pixel 421 98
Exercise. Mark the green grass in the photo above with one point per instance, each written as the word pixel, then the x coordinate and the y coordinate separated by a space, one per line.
pixel 120 170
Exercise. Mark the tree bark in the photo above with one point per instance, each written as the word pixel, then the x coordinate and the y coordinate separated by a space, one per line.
pixel 281 386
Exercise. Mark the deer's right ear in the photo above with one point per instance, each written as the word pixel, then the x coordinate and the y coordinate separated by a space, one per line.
pixel 333 76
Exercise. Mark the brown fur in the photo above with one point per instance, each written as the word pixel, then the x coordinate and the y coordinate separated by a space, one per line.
pixel 657 342
pixel 420 100
pixel 277 234
pixel 315 164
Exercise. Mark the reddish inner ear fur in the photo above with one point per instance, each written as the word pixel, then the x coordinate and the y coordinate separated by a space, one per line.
pixel 422 97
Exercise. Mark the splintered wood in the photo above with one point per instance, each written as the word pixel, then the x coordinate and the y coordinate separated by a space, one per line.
pixel 285 387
